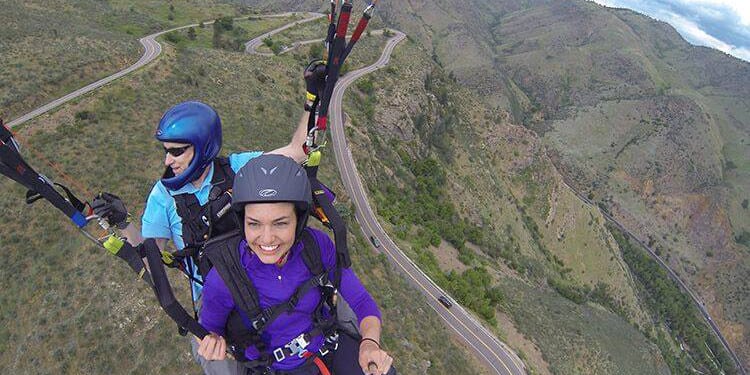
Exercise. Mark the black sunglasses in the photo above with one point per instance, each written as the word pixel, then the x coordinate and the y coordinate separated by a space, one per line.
pixel 176 151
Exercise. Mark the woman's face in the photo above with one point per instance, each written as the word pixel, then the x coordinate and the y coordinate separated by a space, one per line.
pixel 270 229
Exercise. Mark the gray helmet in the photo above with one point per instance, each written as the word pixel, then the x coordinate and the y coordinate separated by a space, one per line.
pixel 273 178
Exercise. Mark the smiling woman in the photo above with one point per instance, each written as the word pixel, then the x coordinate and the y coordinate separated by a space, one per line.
pixel 280 278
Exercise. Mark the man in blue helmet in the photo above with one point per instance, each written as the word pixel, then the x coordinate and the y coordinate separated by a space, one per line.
pixel 191 202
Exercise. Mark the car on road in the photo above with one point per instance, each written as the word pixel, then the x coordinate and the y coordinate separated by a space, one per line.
pixel 445 301
pixel 375 241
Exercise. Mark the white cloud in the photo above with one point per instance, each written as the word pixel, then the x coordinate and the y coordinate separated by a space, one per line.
pixel 739 7
pixel 736 12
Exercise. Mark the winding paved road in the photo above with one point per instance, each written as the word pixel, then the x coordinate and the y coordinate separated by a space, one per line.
pixel 152 49
pixel 670 272
pixel 253 44
pixel 498 357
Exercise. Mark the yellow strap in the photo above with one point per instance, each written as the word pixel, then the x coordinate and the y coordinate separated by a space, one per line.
pixel 167 257
pixel 310 96
pixel 113 244
pixel 313 160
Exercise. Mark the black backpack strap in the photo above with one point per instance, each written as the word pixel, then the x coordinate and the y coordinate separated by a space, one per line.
pixel 164 294
pixel 223 172
pixel 201 222
pixel 189 210
pixel 333 220
pixel 313 258
pixel 311 254
pixel 223 254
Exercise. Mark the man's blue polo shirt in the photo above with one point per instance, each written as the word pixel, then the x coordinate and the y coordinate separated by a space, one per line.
pixel 160 218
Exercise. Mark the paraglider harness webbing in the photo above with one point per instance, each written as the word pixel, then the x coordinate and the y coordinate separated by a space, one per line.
pixel 337 53
pixel 133 256
pixel 225 257
pixel 200 223
pixel 324 211
pixel 13 166
pixel 361 26
pixel 164 294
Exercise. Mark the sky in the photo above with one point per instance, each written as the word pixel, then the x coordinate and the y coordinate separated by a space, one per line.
pixel 720 24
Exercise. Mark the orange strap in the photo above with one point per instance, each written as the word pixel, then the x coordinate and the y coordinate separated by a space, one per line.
pixel 318 362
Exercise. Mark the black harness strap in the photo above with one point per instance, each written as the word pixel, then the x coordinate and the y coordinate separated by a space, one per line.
pixel 164 294
pixel 13 166
pixel 223 254
pixel 199 221
pixel 332 220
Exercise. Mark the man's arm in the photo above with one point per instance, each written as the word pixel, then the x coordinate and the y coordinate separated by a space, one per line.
pixel 132 234
pixel 294 149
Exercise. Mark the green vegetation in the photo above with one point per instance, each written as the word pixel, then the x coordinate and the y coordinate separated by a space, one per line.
pixel 578 339
pixel 426 203
pixel 678 312
pixel 227 36
pixel 581 294
pixel 88 40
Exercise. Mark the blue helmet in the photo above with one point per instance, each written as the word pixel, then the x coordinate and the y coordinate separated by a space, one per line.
pixel 195 123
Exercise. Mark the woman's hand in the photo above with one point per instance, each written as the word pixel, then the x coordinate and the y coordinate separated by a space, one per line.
pixel 213 347
pixel 372 359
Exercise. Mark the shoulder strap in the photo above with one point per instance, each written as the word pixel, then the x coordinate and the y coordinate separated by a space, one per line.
pixel 311 254
pixel 223 173
pixel 192 213
pixel 189 210
pixel 223 254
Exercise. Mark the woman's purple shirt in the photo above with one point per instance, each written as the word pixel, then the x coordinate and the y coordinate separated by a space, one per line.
pixel 275 285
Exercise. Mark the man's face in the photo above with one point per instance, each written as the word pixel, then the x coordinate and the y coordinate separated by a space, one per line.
pixel 178 156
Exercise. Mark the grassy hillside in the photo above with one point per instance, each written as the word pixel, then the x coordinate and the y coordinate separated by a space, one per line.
pixel 654 129
pixel 52 47
pixel 71 308
pixel 651 128
pixel 451 179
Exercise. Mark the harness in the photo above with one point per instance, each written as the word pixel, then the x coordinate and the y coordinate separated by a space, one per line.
pixel 202 222
pixel 223 254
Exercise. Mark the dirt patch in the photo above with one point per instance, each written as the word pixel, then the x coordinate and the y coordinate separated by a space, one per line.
pixel 447 257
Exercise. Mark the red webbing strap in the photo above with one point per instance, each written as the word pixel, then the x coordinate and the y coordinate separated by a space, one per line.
pixel 346 12
pixel 360 28
pixel 318 362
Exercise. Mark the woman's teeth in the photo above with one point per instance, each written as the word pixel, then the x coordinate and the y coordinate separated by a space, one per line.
pixel 269 248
